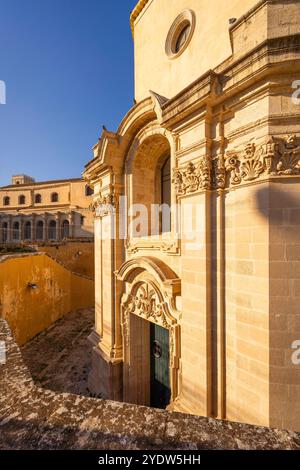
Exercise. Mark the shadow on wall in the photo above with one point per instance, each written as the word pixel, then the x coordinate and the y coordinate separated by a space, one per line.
pixel 279 203
pixel 35 291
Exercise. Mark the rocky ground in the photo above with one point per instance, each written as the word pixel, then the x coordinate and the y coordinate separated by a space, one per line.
pixel 59 358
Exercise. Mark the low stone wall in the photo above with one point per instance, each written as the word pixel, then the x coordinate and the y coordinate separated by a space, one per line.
pixel 34 418
pixel 55 291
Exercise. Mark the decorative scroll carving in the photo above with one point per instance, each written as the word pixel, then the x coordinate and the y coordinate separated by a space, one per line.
pixel 274 157
pixel 244 167
pixel 146 304
pixel 103 205
pixel 219 172
pixel 289 160
pixel 193 177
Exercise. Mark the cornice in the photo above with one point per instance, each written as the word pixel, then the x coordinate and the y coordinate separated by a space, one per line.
pixel 215 86
pixel 136 12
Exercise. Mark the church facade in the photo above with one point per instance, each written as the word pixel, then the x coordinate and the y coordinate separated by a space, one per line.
pixel 197 307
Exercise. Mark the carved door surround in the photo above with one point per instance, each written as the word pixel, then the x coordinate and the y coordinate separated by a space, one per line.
pixel 151 293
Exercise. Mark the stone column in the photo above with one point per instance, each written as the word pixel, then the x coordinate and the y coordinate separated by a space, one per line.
pixel 33 227
pixel 58 227
pixel 45 228
pixel 71 219
pixel 9 229
pixel 21 230
pixel 107 361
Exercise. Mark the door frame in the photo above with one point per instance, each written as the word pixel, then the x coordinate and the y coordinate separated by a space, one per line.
pixel 155 308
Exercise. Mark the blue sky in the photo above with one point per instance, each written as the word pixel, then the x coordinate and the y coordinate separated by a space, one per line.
pixel 68 69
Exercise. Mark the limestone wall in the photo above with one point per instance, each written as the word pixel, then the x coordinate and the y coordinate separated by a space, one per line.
pixel 168 77
pixel 58 291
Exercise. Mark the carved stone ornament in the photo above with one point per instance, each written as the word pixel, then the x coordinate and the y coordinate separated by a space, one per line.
pixel 104 205
pixel 193 177
pixel 146 304
pixel 275 157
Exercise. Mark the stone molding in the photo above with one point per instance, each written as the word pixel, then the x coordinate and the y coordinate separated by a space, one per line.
pixel 136 12
pixel 104 205
pixel 147 302
pixel 275 157
pixel 170 246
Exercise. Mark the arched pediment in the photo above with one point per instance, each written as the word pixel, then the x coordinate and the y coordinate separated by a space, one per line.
pixel 112 148
pixel 150 142
pixel 137 117
pixel 160 271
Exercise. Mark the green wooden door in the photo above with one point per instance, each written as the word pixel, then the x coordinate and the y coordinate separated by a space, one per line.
pixel 160 392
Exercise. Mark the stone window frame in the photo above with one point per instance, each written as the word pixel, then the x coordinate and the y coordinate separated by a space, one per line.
pixel 6 201
pixel 167 242
pixel 54 197
pixel 187 17
pixel 22 200
pixel 38 198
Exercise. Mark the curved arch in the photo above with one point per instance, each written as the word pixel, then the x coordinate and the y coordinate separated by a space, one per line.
pixel 161 272
pixel 4 232
pixel 22 199
pixel 27 230
pixel 54 197
pixel 150 297
pixel 38 198
pixel 52 230
pixel 151 131
pixel 65 229
pixel 16 231
pixel 137 117
pixel 39 231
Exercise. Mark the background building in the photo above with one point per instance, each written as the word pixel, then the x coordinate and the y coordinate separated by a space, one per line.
pixel 203 316
pixel 45 211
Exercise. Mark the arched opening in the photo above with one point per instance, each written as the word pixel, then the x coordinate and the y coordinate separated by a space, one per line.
pixel 27 230
pixel 39 230
pixel 150 166
pixel 54 197
pixel 52 230
pixel 88 190
pixel 4 232
pixel 38 198
pixel 22 199
pixel 65 229
pixel 16 232
pixel 151 332
pixel 6 201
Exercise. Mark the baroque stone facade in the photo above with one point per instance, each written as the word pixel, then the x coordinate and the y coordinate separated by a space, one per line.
pixel 45 211
pixel 201 311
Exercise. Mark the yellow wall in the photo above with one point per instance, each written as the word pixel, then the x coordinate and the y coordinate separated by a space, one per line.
pixel 76 256
pixel 30 311
pixel 210 44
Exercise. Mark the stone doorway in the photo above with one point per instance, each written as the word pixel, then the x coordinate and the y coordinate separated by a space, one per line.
pixel 151 343
pixel 148 375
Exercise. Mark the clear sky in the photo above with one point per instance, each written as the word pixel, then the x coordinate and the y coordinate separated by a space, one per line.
pixel 68 69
